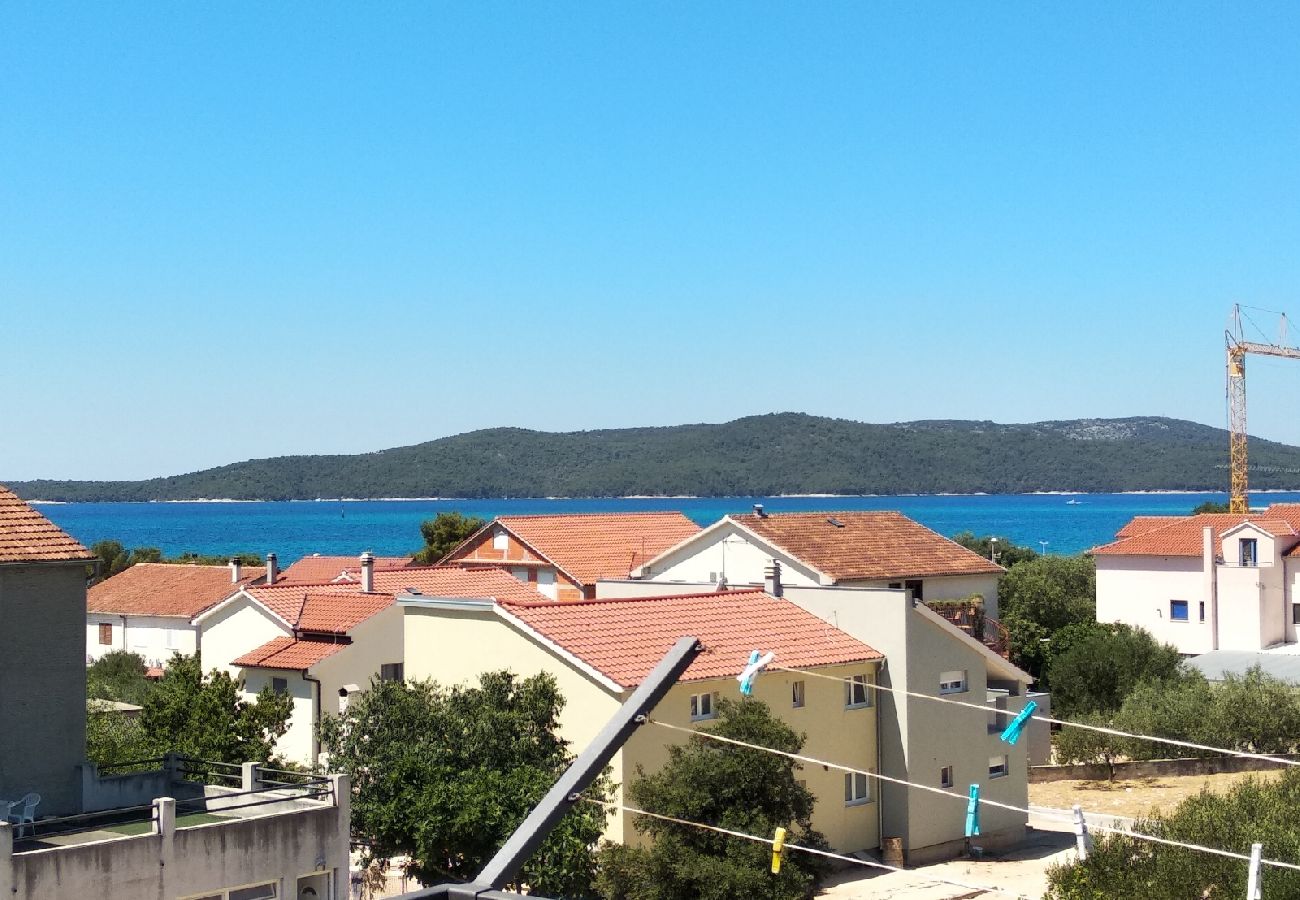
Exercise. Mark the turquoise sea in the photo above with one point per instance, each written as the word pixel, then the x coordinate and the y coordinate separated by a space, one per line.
pixel 391 527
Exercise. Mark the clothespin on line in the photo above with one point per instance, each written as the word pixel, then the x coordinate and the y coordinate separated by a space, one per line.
pixel 973 812
pixel 756 664
pixel 778 846
pixel 1254 890
pixel 1011 733
pixel 1082 839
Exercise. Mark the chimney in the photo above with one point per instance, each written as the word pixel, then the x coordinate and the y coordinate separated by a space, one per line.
pixel 367 572
pixel 235 571
pixel 772 579
pixel 272 570
pixel 758 511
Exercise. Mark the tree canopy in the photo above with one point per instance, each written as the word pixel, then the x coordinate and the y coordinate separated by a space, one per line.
pixel 118 675
pixel 443 533
pixel 1008 552
pixel 732 787
pixel 1095 667
pixel 444 775
pixel 115 559
pixel 1039 597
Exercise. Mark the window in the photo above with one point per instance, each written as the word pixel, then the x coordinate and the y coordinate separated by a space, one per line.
pixel 945 777
pixel 105 633
pixel 173 638
pixel 257 892
pixel 997 766
pixel 1295 613
pixel 855 788
pixel 701 707
pixel 1249 552
pixel 856 692
pixel 499 539
pixel 392 671
pixel 796 695
pixel 914 590
pixel 1202 610
pixel 280 685
pixel 895 585
pixel 1178 610
pixel 952 682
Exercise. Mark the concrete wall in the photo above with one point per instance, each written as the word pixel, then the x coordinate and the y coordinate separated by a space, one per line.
pixel 43 683
pixel 155 638
pixel 202 860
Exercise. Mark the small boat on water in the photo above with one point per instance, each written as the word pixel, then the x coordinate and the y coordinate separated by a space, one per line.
pixel 1073 502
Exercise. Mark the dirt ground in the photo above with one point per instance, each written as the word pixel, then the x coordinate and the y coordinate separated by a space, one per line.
pixel 1134 797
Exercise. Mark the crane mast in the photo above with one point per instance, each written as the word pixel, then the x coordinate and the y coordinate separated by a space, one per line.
pixel 1238 461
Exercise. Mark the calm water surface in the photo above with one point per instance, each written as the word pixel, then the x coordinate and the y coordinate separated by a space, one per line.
pixel 391 527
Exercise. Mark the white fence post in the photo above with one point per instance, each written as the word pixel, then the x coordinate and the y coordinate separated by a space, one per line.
pixel 1253 889
pixel 1081 838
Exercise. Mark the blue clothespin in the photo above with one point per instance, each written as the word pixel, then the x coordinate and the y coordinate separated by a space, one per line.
pixel 1011 733
pixel 756 664
pixel 973 811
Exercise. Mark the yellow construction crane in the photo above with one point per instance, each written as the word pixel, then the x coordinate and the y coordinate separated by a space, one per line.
pixel 1238 347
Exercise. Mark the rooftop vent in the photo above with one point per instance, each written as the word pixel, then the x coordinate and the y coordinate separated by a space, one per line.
pixel 758 511
pixel 836 522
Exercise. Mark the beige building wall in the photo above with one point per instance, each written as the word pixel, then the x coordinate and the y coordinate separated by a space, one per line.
pixel 155 638
pixel 1136 590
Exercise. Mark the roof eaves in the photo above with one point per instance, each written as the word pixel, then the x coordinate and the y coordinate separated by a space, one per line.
pixel 564 653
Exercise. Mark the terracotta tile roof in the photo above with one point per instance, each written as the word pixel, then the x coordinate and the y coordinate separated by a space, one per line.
pixel 1182 535
pixel 455 581
pixel 331 608
pixel 624 639
pixel 878 545
pixel 319 569
pixel 27 536
pixel 600 545
pixel 166 589
pixel 288 653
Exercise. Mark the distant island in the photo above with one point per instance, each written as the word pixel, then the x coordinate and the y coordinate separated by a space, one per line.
pixel 781 453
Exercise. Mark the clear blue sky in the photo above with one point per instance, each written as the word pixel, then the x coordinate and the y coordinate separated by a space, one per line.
pixel 234 230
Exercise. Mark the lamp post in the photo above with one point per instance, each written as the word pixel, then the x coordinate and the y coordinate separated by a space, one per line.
pixel 993 550
pixel 1044 546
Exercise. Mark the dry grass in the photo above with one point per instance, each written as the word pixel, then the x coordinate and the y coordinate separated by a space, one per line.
pixel 1138 796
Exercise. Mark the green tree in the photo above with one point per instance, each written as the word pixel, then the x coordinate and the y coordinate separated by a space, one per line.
pixel 1210 506
pixel 118 675
pixel 731 787
pixel 112 737
pixel 1257 713
pixel 1181 708
pixel 1082 745
pixel 443 533
pixel 1039 597
pixel 115 559
pixel 206 716
pixel 1101 665
pixel 1009 553
pixel 444 775
pixel 1252 811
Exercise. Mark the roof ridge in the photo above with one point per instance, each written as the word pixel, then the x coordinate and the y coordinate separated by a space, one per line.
pixel 594 601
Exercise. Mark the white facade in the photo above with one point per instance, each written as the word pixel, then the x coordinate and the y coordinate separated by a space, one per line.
pixel 1237 595
pixel 155 638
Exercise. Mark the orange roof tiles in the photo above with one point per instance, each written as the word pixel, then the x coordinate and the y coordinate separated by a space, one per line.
pixel 318 569
pixel 876 545
pixel 454 581
pixel 600 545
pixel 333 608
pixel 624 639
pixel 166 589
pixel 289 653
pixel 27 536
pixel 1183 535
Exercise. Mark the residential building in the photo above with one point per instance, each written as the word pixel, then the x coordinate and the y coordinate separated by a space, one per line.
pixel 881 549
pixel 317 569
pixel 322 643
pixel 1214 581
pixel 925 742
pixel 563 556
pixel 149 609
pixel 600 650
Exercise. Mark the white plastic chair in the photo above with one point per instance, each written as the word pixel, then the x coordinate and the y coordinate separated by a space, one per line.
pixel 23 812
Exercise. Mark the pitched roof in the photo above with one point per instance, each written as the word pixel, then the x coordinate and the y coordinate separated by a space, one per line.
pixel 166 589
pixel 331 608
pixel 866 545
pixel 600 545
pixel 27 536
pixel 454 581
pixel 625 638
pixel 288 653
pixel 1183 535
pixel 317 569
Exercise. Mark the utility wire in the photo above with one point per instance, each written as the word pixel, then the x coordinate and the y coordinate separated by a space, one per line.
pixel 988 889
pixel 1137 835
pixel 1101 729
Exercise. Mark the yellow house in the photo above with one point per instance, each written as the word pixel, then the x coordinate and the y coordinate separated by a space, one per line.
pixel 600 650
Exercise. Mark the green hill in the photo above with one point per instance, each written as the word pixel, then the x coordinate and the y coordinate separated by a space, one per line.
pixel 785 453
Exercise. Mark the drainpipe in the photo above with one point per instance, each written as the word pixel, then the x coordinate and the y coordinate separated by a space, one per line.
pixel 315 725
pixel 124 633
pixel 1211 583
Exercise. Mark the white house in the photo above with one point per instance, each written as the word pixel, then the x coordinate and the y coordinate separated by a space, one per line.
pixel 881 549
pixel 149 608
pixel 1215 581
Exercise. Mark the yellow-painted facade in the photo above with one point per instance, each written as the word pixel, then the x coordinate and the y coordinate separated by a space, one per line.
pixel 455 645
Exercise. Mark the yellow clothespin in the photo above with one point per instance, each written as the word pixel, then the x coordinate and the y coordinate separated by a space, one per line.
pixel 778 845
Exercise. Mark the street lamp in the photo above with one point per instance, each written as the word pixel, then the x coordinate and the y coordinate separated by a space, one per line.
pixel 993 549
pixel 1044 546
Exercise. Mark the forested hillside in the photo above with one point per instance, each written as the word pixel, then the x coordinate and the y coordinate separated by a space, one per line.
pixel 760 455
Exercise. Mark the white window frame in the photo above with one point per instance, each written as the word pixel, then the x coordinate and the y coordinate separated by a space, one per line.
pixel 704 706
pixel 857 789
pixel 500 540
pixel 954 682
pixel 999 766
pixel 1249 560
pixel 851 686
pixel 798 695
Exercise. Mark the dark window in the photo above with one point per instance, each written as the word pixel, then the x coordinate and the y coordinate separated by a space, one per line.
pixel 105 633
pixel 392 671
pixel 1249 552
pixel 914 590
pixel 945 777
pixel 280 685
pixel 1178 610
pixel 1295 613
pixel 1202 610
